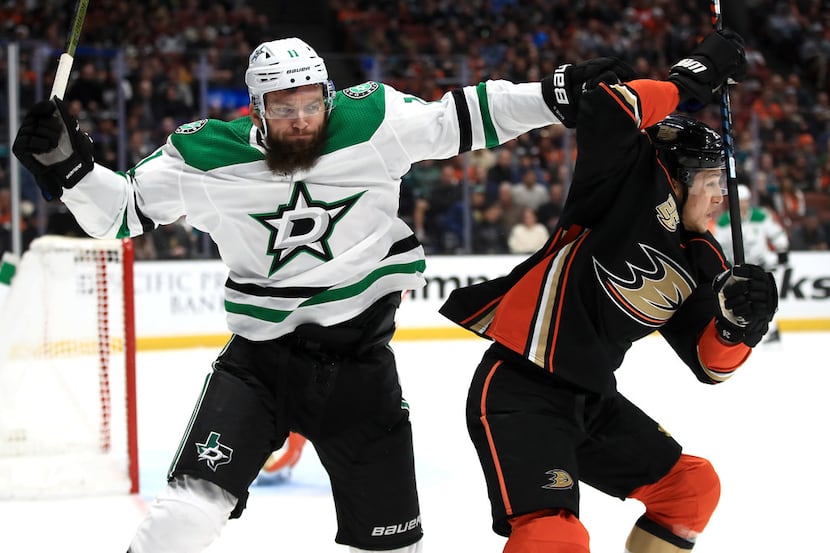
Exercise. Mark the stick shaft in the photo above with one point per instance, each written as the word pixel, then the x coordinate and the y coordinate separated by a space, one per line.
pixel 729 152
pixel 68 57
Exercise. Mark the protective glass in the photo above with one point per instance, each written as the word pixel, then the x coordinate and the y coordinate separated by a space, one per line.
pixel 712 181
pixel 294 110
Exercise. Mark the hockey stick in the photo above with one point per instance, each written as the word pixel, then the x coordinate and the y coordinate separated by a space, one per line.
pixel 729 151
pixel 68 57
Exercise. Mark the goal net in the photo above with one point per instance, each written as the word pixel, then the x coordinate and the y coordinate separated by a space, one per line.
pixel 67 371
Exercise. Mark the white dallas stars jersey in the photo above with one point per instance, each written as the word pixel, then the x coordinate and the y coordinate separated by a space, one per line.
pixel 763 237
pixel 317 246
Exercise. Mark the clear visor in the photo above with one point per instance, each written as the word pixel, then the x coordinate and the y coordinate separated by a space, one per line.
pixel 286 109
pixel 709 181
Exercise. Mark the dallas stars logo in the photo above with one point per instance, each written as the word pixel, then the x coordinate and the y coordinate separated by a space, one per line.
pixel 258 52
pixel 213 452
pixel 302 225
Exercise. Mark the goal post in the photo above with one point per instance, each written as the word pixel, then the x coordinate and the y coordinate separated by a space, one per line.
pixel 67 371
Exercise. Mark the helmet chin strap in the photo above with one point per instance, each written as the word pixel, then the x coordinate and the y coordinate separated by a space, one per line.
pixel 262 128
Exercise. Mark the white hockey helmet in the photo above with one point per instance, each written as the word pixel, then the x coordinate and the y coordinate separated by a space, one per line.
pixel 282 64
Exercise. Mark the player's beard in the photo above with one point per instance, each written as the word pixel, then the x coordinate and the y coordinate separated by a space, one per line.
pixel 284 156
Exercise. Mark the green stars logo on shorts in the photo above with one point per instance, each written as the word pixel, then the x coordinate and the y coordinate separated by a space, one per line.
pixel 213 452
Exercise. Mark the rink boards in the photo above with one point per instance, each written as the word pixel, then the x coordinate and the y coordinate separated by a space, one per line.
pixel 181 304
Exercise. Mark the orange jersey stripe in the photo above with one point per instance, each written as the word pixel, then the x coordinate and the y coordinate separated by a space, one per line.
pixel 497 465
pixel 531 311
pixel 480 320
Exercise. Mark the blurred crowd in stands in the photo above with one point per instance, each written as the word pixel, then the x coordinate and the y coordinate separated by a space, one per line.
pixel 499 201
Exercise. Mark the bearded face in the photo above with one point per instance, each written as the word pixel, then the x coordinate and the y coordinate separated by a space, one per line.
pixel 288 155
pixel 295 123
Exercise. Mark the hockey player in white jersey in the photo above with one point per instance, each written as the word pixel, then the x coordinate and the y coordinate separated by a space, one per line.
pixel 301 199
pixel 765 241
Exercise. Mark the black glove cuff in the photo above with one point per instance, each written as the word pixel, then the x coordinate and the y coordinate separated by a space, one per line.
pixel 689 84
pixel 548 95
pixel 555 94
pixel 729 333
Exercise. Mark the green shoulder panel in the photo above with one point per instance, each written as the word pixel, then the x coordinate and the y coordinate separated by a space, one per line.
pixel 357 114
pixel 757 215
pixel 723 220
pixel 211 143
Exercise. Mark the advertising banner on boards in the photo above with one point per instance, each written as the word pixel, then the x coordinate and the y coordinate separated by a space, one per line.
pixel 183 300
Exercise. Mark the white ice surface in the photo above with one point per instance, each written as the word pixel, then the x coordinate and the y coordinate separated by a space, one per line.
pixel 765 432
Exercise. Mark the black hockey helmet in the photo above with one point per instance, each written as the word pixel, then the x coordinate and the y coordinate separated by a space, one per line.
pixel 687 145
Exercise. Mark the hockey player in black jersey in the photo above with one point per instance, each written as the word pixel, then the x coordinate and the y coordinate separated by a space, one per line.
pixel 631 255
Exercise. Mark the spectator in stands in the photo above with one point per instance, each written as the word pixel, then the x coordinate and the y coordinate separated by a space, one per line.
pixel 173 241
pixel 504 170
pixel 144 106
pixel 5 219
pixel 62 222
pixel 823 178
pixel 87 89
pixel 478 202
pixel 173 105
pixel 144 247
pixel 803 168
pixel 528 235
pixel 104 137
pixel 423 177
pixel 511 212
pixel 28 228
pixel 819 114
pixel 549 212
pixel 790 104
pixel 766 170
pixel 789 201
pixel 406 204
pixel 809 234
pixel 138 146
pixel 488 232
pixel 441 220
pixel 530 192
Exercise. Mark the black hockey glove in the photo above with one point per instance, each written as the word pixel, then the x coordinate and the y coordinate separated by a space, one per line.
pixel 52 146
pixel 563 89
pixel 746 298
pixel 719 59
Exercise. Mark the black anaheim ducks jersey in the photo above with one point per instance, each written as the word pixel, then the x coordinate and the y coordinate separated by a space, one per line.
pixel 619 266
